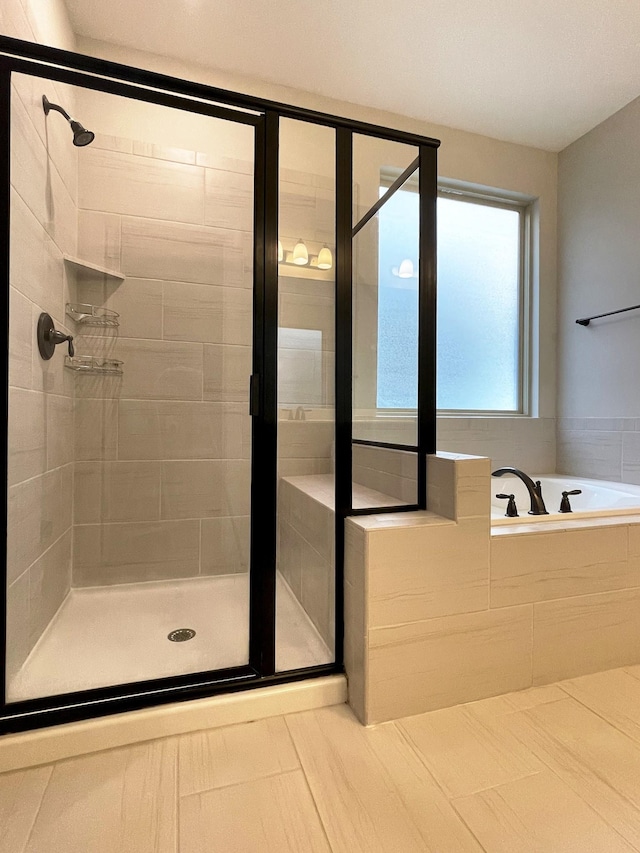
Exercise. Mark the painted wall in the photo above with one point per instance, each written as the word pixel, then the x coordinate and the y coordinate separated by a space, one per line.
pixel 599 258
pixel 43 228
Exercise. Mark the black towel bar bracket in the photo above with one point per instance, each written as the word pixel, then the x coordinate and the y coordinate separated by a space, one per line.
pixel 586 320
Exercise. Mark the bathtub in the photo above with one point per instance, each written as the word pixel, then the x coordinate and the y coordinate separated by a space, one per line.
pixel 598 498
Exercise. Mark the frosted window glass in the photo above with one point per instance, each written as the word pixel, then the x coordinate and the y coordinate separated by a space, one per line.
pixel 478 305
pixel 398 235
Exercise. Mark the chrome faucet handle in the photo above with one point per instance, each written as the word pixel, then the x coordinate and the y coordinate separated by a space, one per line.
pixel 512 509
pixel 565 505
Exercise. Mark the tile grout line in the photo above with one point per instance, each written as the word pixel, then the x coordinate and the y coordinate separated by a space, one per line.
pixel 307 782
pixel 37 814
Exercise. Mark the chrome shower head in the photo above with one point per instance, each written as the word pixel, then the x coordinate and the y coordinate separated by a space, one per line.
pixel 81 136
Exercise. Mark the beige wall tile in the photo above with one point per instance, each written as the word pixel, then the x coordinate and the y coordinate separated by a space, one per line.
pixel 275 815
pixel 111 802
pixel 196 312
pixel 228 201
pixel 49 583
pixel 20 795
pixel 226 372
pixel 314 521
pixel 235 754
pixel 20 340
pixel 584 634
pixel 116 182
pixel 50 376
pixel 537 813
pixel 178 252
pixel 35 261
pixel 634 540
pixel 99 238
pixel 39 513
pixel 127 553
pixel 441 662
pixel 116 491
pixel 137 301
pixel 567 563
pixel 58 430
pixel 205 488
pixel 317 591
pixel 163 152
pixel 305 439
pixel 95 429
pixel 28 161
pixel 160 370
pixel 224 545
pixel 27 434
pixel 182 430
pixel 422 572
pixel 18 645
pixel 441 485
pixel 464 753
pixel 289 557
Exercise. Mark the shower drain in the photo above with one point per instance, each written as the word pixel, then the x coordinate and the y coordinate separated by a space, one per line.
pixel 181 635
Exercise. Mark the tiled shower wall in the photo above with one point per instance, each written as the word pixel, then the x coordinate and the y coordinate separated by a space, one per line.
pixel 43 228
pixel 162 453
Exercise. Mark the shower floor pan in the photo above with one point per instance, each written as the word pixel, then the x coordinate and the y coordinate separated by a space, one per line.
pixel 115 635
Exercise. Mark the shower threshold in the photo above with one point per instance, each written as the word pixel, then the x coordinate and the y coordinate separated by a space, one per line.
pixel 105 636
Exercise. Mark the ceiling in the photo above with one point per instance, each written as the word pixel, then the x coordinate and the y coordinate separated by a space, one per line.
pixel 541 72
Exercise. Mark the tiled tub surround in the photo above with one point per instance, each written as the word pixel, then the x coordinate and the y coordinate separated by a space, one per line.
pixel 603 448
pixel 442 609
pixel 43 228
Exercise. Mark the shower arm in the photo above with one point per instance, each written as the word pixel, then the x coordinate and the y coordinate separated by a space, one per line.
pixel 49 106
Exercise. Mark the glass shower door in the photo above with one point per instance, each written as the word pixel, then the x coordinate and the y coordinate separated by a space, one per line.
pixel 130 450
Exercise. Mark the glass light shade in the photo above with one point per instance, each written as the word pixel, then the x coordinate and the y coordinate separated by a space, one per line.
pixel 405 270
pixel 325 258
pixel 280 252
pixel 300 254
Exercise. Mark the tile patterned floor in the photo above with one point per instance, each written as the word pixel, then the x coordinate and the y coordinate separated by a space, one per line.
pixel 552 769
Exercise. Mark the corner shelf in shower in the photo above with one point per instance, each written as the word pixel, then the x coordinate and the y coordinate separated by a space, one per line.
pixel 93 365
pixel 87 266
pixel 91 315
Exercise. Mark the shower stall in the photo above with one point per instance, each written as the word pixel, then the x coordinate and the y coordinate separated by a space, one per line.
pixel 194 282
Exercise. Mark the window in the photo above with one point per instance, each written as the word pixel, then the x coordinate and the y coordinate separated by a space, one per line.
pixel 481 302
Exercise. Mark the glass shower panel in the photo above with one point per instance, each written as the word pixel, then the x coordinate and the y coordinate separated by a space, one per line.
pixel 129 491
pixel 305 589
pixel 385 323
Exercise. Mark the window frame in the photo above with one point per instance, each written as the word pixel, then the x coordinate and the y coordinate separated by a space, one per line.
pixel 523 206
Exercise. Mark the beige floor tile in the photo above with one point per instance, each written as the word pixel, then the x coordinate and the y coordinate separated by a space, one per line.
pixel 227 756
pixel 465 752
pixel 274 815
pixel 613 695
pixel 508 703
pixel 110 802
pixel 357 801
pixel 431 811
pixel 20 798
pixel 601 764
pixel 538 813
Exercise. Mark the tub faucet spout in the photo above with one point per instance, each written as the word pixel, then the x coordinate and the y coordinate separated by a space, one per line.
pixel 534 489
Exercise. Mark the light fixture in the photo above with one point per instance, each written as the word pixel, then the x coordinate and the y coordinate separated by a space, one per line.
pixel 300 254
pixel 325 258
pixel 280 252
pixel 405 270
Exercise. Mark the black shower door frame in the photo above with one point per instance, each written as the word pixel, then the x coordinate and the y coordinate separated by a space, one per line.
pixel 17 56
